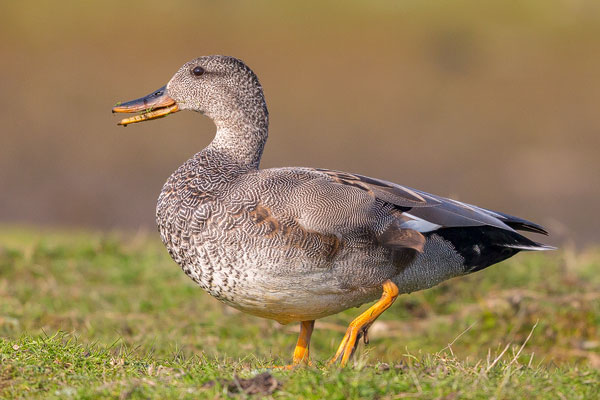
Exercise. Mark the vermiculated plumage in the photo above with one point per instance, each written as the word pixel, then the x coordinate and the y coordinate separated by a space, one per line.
pixel 298 244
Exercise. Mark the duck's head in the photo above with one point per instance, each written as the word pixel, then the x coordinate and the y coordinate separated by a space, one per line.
pixel 221 87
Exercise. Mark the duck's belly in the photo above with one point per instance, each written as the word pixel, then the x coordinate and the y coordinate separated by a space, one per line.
pixel 284 285
pixel 267 278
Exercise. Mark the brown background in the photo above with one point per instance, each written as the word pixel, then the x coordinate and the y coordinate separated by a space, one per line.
pixel 494 103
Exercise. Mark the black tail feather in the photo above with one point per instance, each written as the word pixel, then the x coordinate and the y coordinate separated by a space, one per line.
pixel 482 246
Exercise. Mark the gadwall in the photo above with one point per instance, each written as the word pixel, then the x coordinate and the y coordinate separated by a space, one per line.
pixel 299 244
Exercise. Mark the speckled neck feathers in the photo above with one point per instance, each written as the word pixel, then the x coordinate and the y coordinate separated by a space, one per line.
pixel 229 93
pixel 242 137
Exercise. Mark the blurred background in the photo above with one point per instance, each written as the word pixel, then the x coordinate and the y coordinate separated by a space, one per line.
pixel 495 103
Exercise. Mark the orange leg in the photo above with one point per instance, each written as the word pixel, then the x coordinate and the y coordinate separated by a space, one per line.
pixel 303 345
pixel 360 325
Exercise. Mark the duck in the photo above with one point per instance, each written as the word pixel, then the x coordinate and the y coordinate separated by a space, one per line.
pixel 297 244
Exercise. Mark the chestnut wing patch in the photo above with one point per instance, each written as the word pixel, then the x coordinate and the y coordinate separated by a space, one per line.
pixel 294 235
pixel 397 238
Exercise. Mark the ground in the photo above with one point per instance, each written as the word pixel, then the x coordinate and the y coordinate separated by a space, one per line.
pixel 90 315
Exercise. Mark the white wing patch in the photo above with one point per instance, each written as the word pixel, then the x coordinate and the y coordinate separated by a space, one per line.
pixel 418 224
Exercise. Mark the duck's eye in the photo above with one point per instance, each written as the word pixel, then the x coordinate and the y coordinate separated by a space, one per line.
pixel 198 71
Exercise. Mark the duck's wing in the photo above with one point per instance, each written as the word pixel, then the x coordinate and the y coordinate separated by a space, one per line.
pixel 389 192
pixel 425 212
pixel 517 223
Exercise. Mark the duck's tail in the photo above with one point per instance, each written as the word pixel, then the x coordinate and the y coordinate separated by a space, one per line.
pixel 482 246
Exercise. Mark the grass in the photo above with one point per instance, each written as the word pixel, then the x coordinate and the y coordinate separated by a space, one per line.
pixel 85 315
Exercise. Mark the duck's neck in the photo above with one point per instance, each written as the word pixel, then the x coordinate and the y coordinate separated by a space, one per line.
pixel 242 137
